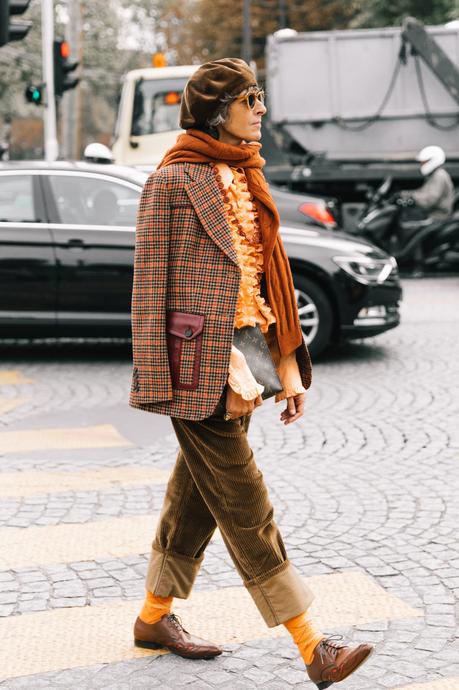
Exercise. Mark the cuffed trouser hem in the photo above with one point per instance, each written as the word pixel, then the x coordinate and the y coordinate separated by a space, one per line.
pixel 171 574
pixel 280 595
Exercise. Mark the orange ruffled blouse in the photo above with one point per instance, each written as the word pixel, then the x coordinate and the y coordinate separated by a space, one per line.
pixel 251 308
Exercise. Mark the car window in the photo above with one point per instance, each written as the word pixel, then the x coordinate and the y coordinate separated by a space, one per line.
pixel 93 201
pixel 16 198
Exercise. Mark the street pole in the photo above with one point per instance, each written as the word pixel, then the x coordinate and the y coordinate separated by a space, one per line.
pixel 246 33
pixel 71 102
pixel 51 145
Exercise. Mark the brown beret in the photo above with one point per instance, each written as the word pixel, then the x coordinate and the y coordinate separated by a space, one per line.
pixel 208 84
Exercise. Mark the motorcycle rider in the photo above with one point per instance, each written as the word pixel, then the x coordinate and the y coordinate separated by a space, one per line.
pixel 436 195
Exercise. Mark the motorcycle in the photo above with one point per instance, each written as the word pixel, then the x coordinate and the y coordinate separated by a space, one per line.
pixel 403 230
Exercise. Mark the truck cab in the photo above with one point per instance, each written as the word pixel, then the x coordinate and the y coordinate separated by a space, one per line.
pixel 148 116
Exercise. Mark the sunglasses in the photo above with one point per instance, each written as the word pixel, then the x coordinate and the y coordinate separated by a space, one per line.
pixel 252 97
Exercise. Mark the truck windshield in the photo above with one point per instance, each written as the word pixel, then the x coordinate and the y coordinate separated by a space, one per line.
pixel 156 105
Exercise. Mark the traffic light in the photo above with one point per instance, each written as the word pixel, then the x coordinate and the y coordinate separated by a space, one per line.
pixel 63 66
pixel 13 30
pixel 34 94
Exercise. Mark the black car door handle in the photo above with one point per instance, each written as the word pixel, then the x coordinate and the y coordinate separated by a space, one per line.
pixel 75 243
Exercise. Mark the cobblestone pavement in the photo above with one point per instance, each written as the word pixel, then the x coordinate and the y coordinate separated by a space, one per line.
pixel 365 489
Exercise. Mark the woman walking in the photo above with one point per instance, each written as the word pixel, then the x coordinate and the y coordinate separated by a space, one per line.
pixel 209 260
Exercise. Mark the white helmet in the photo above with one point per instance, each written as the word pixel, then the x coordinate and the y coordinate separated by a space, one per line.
pixel 98 153
pixel 430 157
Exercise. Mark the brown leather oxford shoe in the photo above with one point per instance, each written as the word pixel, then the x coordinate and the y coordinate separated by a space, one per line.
pixel 334 662
pixel 168 633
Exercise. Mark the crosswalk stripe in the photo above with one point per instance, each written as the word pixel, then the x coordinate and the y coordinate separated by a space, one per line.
pixel 443 684
pixel 13 378
pixel 67 543
pixel 68 638
pixel 101 436
pixel 7 405
pixel 36 482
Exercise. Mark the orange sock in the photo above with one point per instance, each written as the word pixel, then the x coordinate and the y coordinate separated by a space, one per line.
pixel 305 636
pixel 154 608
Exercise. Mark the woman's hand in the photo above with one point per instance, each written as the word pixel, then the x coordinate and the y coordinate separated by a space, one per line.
pixel 237 406
pixel 294 409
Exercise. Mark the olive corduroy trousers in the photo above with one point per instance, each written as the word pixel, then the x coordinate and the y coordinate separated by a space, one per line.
pixel 216 482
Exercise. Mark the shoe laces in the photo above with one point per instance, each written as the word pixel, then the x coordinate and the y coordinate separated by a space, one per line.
pixel 175 620
pixel 331 644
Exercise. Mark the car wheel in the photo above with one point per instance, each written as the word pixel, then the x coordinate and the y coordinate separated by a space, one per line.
pixel 315 312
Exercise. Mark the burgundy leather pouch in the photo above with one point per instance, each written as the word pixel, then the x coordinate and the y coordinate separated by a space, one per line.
pixel 184 346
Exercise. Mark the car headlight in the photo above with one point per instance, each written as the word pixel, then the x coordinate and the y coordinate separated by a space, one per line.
pixel 366 270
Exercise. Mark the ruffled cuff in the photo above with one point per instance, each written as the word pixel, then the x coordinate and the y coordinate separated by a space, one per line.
pixel 290 378
pixel 240 378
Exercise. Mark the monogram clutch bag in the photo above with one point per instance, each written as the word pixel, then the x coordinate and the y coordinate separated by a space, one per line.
pixel 251 342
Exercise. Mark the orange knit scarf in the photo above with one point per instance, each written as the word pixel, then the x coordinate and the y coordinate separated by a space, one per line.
pixel 196 146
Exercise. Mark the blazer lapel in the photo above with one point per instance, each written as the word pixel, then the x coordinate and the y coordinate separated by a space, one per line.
pixel 206 198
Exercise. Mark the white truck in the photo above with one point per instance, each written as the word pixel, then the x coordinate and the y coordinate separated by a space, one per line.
pixel 347 108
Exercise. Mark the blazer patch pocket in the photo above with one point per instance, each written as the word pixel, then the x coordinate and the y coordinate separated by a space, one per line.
pixel 184 345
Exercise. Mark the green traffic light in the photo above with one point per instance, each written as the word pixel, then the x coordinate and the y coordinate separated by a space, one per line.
pixel 34 94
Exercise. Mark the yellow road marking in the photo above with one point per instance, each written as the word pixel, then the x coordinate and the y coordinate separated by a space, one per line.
pixel 352 598
pixel 11 404
pixel 113 538
pixel 68 638
pixel 443 684
pixel 101 436
pixel 29 483
pixel 13 378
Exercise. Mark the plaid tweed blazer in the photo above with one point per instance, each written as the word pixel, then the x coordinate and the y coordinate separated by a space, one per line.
pixel 185 290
